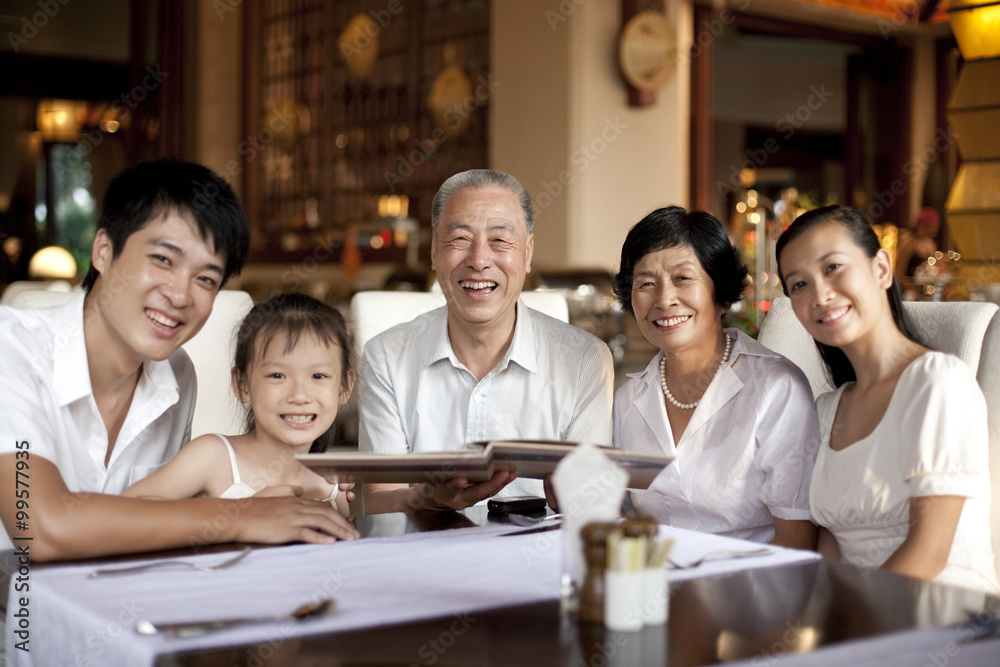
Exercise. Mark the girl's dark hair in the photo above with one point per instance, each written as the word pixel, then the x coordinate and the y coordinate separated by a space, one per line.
pixel 854 221
pixel 293 315
pixel 702 232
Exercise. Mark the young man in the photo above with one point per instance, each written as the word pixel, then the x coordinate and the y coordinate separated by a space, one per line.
pixel 485 366
pixel 98 393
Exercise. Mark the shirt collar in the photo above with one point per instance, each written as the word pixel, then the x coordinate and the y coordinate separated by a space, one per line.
pixel 70 370
pixel 742 344
pixel 438 344
pixel 725 384
pixel 521 350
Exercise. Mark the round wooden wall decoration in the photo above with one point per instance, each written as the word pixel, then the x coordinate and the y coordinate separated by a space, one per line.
pixel 646 51
pixel 451 100
pixel 358 45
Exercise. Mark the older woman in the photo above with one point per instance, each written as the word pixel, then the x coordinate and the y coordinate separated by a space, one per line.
pixel 738 417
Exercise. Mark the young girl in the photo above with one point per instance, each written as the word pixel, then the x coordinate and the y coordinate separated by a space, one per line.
pixel 292 368
pixel 901 479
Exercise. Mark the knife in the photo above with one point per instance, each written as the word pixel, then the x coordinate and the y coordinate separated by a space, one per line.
pixel 536 529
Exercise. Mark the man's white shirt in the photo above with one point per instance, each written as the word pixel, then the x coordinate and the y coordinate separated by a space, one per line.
pixel 555 382
pixel 46 400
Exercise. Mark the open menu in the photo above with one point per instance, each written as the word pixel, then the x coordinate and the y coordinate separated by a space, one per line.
pixel 528 458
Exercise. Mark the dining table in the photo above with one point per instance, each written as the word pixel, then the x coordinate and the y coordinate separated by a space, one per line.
pixel 471 588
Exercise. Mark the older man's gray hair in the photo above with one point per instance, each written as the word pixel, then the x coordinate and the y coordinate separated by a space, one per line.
pixel 479 179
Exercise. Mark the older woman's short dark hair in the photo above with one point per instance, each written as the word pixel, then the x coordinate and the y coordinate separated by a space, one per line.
pixel 702 232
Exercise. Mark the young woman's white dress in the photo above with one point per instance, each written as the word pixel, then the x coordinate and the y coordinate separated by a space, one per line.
pixel 932 441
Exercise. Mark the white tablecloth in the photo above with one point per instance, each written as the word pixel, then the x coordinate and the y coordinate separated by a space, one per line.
pixel 375 581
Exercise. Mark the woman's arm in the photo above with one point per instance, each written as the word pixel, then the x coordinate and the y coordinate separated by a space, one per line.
pixel 794 534
pixel 827 545
pixel 187 475
pixel 943 458
pixel 933 522
pixel 788 437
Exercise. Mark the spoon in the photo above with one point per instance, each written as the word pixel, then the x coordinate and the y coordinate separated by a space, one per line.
pixel 310 609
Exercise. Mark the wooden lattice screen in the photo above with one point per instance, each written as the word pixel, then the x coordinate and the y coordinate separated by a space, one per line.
pixel 324 143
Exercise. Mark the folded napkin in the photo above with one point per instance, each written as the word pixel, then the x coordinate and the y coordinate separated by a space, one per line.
pixel 589 487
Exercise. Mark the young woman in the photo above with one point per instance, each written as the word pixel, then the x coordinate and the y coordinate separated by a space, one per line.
pixel 901 479
pixel 738 417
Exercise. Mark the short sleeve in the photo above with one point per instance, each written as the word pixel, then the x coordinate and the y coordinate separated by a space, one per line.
pixel 788 440
pixel 942 429
pixel 23 414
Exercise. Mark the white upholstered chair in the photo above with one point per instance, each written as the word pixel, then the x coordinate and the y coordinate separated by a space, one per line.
pixel 968 330
pixel 373 312
pixel 211 350
pixel 217 410
pixel 17 287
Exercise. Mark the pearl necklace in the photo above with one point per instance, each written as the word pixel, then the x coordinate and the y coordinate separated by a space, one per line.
pixel 663 377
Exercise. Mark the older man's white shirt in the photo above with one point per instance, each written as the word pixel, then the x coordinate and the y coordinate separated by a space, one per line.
pixel 555 383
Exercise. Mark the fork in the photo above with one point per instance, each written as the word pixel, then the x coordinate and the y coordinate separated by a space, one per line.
pixel 525 520
pixel 719 555
pixel 110 571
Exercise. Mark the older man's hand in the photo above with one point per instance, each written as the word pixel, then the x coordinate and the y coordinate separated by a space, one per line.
pixel 457 494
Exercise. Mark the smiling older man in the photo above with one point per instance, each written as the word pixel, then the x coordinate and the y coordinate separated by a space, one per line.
pixel 485 366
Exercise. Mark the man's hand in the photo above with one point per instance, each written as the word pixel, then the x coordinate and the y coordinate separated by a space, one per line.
pixel 277 520
pixel 457 494
pixel 550 493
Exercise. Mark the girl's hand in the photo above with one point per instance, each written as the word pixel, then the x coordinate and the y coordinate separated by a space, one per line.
pixel 346 488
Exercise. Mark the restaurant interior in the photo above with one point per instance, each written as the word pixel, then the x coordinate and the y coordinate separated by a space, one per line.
pixel 337 121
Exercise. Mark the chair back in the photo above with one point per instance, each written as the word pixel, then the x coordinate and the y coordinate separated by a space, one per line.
pixel 38 298
pixel 11 292
pixel 211 351
pixel 373 312
pixel 217 409
pixel 957 328
pixel 968 330
pixel 989 381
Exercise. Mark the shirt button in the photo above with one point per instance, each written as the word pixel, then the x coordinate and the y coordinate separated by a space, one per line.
pixel 477 398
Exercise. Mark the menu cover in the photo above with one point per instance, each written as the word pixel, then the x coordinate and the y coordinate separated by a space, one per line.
pixel 528 458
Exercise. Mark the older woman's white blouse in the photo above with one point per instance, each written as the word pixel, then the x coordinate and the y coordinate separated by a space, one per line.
pixel 932 441
pixel 746 456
